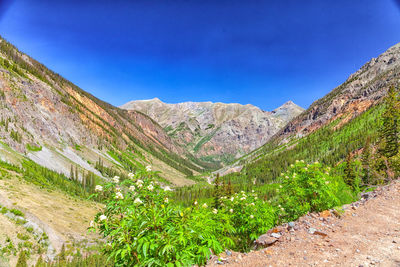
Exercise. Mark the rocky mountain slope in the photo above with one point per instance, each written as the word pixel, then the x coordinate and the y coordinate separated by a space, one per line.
pixel 53 122
pixel 359 93
pixel 216 131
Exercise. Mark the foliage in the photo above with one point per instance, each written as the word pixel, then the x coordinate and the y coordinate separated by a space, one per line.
pixel 33 148
pixel 390 129
pixel 249 215
pixel 329 145
pixel 22 259
pixel 145 227
pixel 309 188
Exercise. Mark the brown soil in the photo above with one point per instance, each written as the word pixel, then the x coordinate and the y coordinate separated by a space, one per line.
pixel 366 234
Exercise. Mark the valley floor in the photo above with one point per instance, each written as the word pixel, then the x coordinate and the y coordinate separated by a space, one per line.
pixel 366 234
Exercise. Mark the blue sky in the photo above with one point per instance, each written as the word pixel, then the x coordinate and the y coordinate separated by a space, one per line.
pixel 258 52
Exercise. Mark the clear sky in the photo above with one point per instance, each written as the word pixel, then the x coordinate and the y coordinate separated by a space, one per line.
pixel 243 51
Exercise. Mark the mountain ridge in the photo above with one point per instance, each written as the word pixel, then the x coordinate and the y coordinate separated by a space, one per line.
pixel 216 129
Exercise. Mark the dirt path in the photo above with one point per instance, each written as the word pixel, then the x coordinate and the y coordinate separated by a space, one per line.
pixel 367 234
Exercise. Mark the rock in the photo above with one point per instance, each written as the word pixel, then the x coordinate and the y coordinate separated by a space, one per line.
pixel 312 230
pixel 325 214
pixel 265 241
pixel 228 253
pixel 276 235
pixel 320 233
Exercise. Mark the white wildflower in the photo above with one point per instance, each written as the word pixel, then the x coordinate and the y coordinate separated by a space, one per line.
pixel 116 179
pixel 119 195
pixel 132 188
pixel 139 183
pixel 326 182
pixel 138 201
pixel 243 198
pixel 98 188
pixel 215 211
pixel 102 217
pixel 280 186
pixel 204 205
pixel 291 165
pixel 251 204
pixel 251 216
pixel 91 223
pixel 148 168
pixel 167 188
pixel 130 175
pixel 232 198
pixel 287 177
pixel 150 187
pixel 231 210
pixel 195 203
pixel 297 161
pixel 166 200
pixel 282 209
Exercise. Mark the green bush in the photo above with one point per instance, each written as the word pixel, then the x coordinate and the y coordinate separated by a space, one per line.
pixel 310 188
pixel 17 212
pixel 146 228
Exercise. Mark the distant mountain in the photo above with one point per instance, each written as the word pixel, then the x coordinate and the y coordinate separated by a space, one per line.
pixel 216 131
pixel 58 125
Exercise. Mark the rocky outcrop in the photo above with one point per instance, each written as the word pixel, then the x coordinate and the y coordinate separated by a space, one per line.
pixel 216 129
pixel 360 91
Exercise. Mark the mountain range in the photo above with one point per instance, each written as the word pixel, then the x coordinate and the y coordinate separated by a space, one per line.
pixel 216 131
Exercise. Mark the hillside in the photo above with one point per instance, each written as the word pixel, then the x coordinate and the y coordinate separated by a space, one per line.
pixel 332 126
pixel 54 123
pixel 216 131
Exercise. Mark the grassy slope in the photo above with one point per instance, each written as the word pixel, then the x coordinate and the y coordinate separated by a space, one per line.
pixel 68 217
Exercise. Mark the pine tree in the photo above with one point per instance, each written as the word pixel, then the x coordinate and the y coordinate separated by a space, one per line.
pixel 217 192
pixel 72 173
pixel 389 130
pixel 229 188
pixel 39 262
pixel 366 161
pixel 22 260
pixel 61 257
pixel 350 176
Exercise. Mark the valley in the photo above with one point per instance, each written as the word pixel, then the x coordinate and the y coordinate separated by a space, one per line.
pixel 151 183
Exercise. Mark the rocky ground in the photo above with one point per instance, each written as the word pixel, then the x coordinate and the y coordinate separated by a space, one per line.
pixel 365 233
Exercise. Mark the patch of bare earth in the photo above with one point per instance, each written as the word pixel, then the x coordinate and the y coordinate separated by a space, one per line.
pixel 366 234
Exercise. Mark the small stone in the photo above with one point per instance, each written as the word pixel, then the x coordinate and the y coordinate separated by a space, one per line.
pixel 312 230
pixel 291 224
pixel 357 250
pixel 240 257
pixel 228 253
pixel 276 235
pixel 220 262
